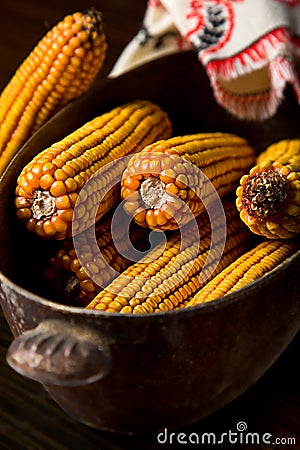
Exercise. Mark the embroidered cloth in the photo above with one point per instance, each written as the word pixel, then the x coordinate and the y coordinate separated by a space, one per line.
pixel 250 49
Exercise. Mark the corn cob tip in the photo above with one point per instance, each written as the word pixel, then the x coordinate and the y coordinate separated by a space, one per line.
pixel 153 192
pixel 43 205
pixel 268 199
pixel 92 22
pixel 173 180
pixel 265 194
pixel 93 15
pixel 49 186
pixel 61 67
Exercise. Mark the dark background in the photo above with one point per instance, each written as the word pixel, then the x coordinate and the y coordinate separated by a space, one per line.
pixel 29 419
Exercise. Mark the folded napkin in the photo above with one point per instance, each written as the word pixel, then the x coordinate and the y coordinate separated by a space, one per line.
pixel 250 49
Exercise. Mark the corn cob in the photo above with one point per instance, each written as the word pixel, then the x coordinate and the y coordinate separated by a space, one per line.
pixel 268 197
pixel 249 267
pixel 61 67
pixel 284 151
pixel 48 187
pixel 169 275
pixel 79 285
pixel 164 179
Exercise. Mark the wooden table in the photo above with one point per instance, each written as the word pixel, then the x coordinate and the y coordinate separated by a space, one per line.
pixel 29 419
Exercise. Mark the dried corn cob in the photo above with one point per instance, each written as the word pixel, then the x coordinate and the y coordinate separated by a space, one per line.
pixel 78 284
pixel 49 185
pixel 168 275
pixel 255 263
pixel 284 151
pixel 163 180
pixel 61 67
pixel 268 198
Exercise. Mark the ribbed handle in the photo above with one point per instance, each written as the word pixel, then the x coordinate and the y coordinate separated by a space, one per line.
pixel 59 353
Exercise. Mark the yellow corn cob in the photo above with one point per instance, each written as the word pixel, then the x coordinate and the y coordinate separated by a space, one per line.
pixel 268 198
pixel 48 187
pixel 284 151
pixel 163 180
pixel 169 275
pixel 78 284
pixel 249 267
pixel 61 67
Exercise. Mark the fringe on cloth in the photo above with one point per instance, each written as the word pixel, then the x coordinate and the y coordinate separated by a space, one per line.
pixel 248 63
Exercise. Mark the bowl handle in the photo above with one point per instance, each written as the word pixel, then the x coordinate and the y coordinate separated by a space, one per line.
pixel 60 353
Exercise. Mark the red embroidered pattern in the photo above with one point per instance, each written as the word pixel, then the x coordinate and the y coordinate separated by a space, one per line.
pixel 260 106
pixel 290 2
pixel 211 24
pixel 256 53
pixel 154 4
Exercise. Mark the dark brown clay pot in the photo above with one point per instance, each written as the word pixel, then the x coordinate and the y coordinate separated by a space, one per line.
pixel 144 373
